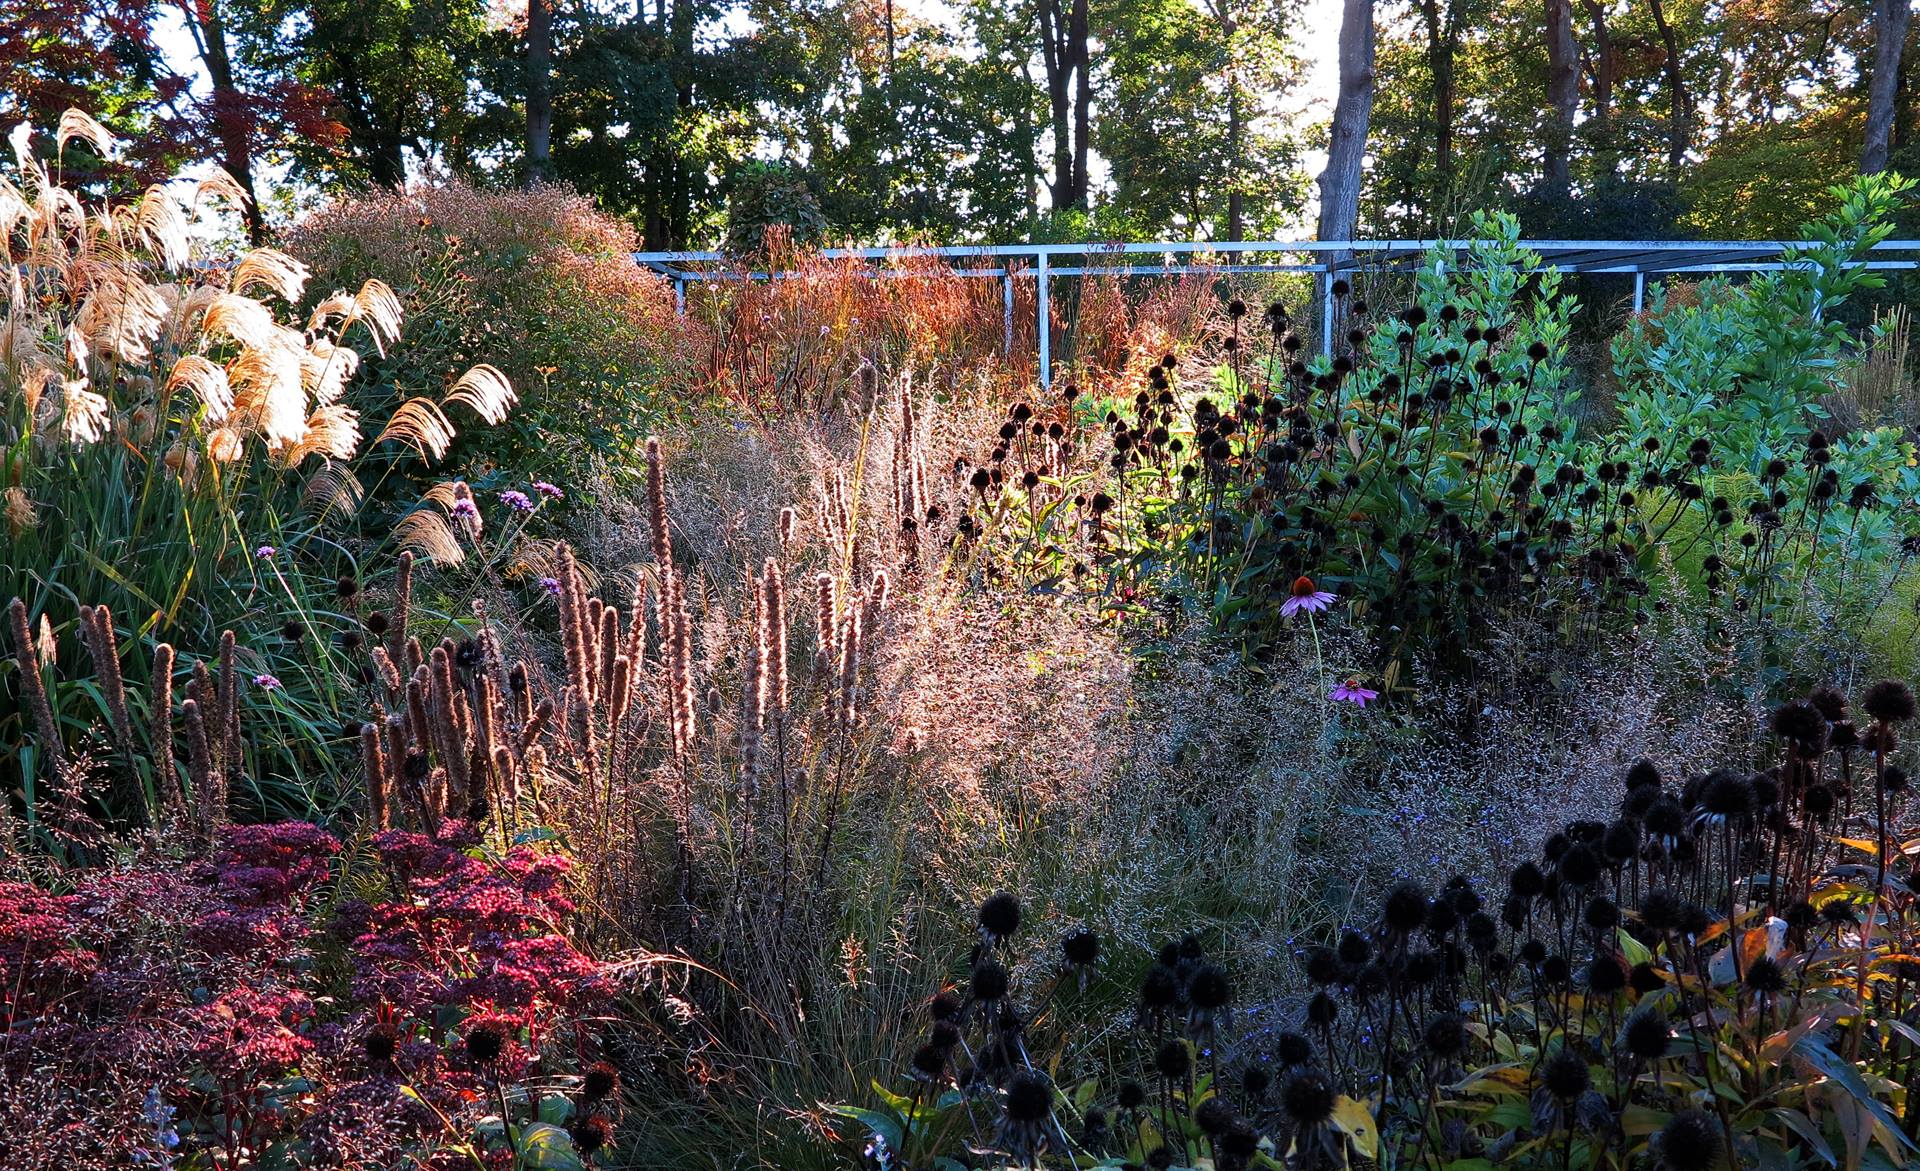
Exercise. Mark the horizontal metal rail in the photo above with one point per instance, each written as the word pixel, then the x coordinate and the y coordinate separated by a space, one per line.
pixel 1636 258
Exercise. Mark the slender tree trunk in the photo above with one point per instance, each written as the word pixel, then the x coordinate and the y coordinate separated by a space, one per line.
pixel 1352 112
pixel 1236 129
pixel 539 91
pixel 1563 96
pixel 1443 42
pixel 1890 21
pixel 1080 33
pixel 232 117
pixel 1679 103
pixel 1603 67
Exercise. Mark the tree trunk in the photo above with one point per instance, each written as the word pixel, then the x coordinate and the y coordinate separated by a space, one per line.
pixel 1352 111
pixel 1563 96
pixel 1679 103
pixel 1890 21
pixel 539 91
pixel 1063 51
pixel 232 117
pixel 1443 42
pixel 1603 67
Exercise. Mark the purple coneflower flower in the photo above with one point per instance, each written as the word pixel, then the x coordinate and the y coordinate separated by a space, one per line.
pixel 266 682
pixel 265 552
pixel 1306 596
pixel 1350 691
pixel 518 501
pixel 551 585
pixel 550 491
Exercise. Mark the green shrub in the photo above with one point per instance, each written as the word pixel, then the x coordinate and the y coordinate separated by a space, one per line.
pixel 535 282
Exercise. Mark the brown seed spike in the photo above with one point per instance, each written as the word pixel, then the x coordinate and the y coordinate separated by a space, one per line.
pixel 34 693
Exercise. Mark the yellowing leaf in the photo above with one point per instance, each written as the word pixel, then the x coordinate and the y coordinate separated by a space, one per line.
pixel 1354 1120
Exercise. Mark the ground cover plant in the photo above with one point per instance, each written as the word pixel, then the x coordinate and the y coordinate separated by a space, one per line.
pixel 1415 757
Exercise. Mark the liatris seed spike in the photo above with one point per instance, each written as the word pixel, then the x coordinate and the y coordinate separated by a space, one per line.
pixel 35 693
pixel 620 691
pixel 228 729
pixel 774 630
pixel 208 801
pixel 850 668
pixel 636 644
pixel 536 725
pixel 160 725
pixel 416 655
pixel 609 646
pixel 394 732
pixel 789 522
pixel 827 620
pixel 419 730
pixel 402 606
pixel 385 671
pixel 373 762
pixel 657 510
pixel 680 663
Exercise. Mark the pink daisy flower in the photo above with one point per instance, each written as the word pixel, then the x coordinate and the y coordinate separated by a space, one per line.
pixel 1350 691
pixel 1306 596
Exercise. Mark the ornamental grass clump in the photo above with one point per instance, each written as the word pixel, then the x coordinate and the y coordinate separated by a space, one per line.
pixel 181 452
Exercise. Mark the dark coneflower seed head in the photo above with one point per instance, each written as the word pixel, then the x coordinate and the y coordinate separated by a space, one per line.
pixel 930 1061
pixel 1691 1141
pixel 484 1041
pixel 1322 965
pixel 591 1133
pixel 1029 1097
pixel 1830 702
pixel 1290 1049
pixel 1643 772
pixel 1131 1096
pixel 1405 908
pixel 1894 779
pixel 377 623
pixel 1533 953
pixel 1607 974
pixel 1000 915
pixel 1601 913
pixel 346 587
pixel 1080 948
pixel 989 981
pixel 1645 979
pixel 1255 1082
pixel 1565 1075
pixel 601 1080
pixel 1526 880
pixel 1214 1115
pixel 1764 975
pixel 1159 988
pixel 945 1034
pixel 1889 701
pixel 1579 866
pixel 380 1044
pixel 1727 794
pixel 1323 1010
pixel 1308 1098
pixel 1209 988
pixel 1446 1036
pixel 944 1007
pixel 1799 723
pixel 1647 1033
pixel 1355 948
pixel 1173 1060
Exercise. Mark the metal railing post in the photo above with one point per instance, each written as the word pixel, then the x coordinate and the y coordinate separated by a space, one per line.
pixel 1639 291
pixel 680 296
pixel 1041 315
pixel 1326 311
